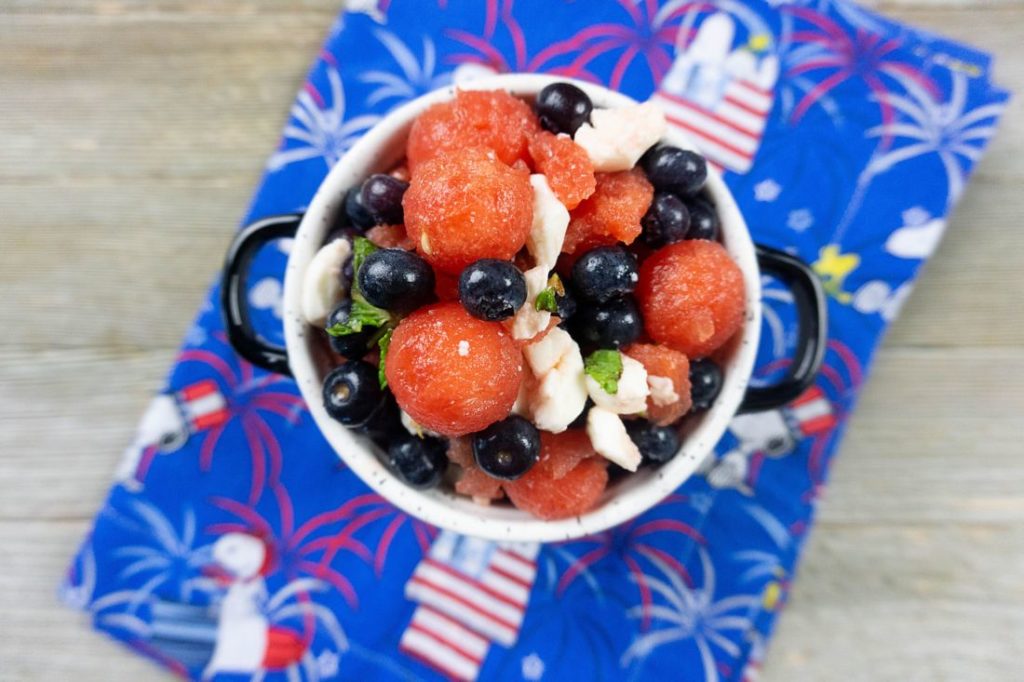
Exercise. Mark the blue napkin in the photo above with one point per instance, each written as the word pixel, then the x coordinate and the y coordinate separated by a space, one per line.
pixel 234 545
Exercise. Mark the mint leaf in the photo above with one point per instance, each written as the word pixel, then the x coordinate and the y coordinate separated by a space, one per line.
pixel 361 315
pixel 605 367
pixel 547 299
pixel 383 343
pixel 361 248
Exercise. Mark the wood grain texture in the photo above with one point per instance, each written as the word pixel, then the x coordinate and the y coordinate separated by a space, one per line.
pixel 133 133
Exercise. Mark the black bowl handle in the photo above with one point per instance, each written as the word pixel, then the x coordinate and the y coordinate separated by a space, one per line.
pixel 233 305
pixel 812 320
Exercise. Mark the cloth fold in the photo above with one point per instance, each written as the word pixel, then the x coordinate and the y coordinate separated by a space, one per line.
pixel 234 545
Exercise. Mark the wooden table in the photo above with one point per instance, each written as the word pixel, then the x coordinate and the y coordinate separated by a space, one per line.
pixel 131 136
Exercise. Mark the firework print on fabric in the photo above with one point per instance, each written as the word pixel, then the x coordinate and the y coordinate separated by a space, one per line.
pixel 235 545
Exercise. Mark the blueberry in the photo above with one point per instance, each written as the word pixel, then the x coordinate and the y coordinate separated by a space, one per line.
pixel 492 289
pixel 675 170
pixel 567 305
pixel 604 273
pixel 358 216
pixel 703 221
pixel 351 346
pixel 657 444
pixel 384 423
pixel 352 392
pixel 562 108
pixel 507 449
pixel 419 462
pixel 614 324
pixel 705 383
pixel 382 196
pixel 667 221
pixel 396 280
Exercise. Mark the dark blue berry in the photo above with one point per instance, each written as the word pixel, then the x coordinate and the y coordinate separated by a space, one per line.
pixel 703 221
pixel 657 444
pixel 562 108
pixel 604 273
pixel 384 423
pixel 352 346
pixel 675 170
pixel 352 392
pixel 614 324
pixel 358 216
pixel 667 221
pixel 492 289
pixel 705 383
pixel 396 280
pixel 507 449
pixel 567 305
pixel 419 462
pixel 382 196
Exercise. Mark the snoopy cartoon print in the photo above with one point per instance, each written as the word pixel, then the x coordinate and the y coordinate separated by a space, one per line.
pixel 166 426
pixel 772 433
pixel 246 641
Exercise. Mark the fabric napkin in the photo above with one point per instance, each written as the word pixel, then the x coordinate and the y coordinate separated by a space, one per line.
pixel 234 545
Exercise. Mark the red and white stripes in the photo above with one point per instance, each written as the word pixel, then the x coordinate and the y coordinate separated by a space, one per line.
pixel 470 593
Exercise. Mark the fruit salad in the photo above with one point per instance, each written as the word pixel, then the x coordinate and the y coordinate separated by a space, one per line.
pixel 530 304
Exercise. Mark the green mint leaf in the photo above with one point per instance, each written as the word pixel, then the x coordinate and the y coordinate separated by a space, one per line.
pixel 362 315
pixel 383 343
pixel 546 301
pixel 605 367
pixel 361 248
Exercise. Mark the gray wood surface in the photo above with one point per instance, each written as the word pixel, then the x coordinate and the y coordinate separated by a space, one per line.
pixel 131 135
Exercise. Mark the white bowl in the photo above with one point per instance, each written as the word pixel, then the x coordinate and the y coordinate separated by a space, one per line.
pixel 378 151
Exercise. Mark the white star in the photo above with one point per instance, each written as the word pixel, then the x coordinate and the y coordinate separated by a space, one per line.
pixel 767 190
pixel 327 663
pixel 800 219
pixel 533 667
pixel 701 502
pixel 916 215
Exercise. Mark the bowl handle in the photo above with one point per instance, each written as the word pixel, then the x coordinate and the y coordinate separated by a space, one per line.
pixel 812 320
pixel 233 288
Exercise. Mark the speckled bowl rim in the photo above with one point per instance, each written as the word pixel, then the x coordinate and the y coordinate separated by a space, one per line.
pixel 379 149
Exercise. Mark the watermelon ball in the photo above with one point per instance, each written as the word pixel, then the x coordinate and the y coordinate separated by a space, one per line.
pixel 355 210
pixel 675 170
pixel 657 444
pixel 566 165
pixel 494 120
pixel 351 392
pixel 567 480
pixel 467 205
pixel 667 221
pixel 704 222
pixel 563 107
pixel 396 280
pixel 351 346
pixel 382 196
pixel 507 449
pixel 706 382
pixel 663 362
pixel 613 324
pixel 452 373
pixel 492 289
pixel 611 214
pixel 419 462
pixel 604 273
pixel 691 296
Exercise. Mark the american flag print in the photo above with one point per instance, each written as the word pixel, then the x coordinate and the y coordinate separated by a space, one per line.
pixel 203 405
pixel 470 592
pixel 811 413
pixel 719 96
